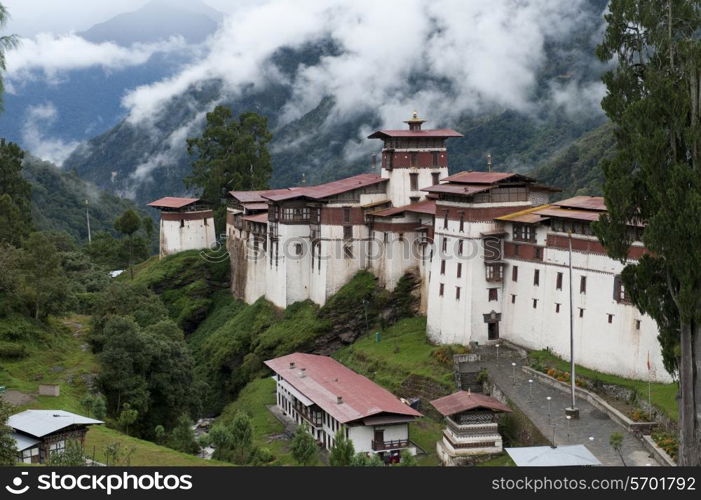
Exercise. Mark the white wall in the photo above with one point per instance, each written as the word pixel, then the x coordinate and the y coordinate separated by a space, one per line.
pixel 193 235
pixel 399 185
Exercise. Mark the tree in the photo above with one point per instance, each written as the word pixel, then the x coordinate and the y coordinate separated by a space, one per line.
pixel 234 441
pixel 304 448
pixel 127 417
pixel 230 155
pixel 342 451
pixel 15 192
pixel 653 182
pixel 44 283
pixel 367 460
pixel 128 224
pixel 6 42
pixel 616 442
pixel 8 448
pixel 182 437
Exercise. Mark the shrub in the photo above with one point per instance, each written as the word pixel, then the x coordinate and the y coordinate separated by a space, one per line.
pixel 9 350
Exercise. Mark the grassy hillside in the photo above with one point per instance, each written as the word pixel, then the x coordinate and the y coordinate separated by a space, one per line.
pixel 186 283
pixel 59 355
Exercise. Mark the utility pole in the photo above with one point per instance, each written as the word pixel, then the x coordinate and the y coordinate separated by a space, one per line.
pixel 87 218
pixel 572 411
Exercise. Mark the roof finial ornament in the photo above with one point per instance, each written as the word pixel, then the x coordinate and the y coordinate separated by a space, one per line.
pixel 414 122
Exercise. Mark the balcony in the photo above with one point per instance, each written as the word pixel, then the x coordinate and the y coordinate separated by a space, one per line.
pixel 312 417
pixel 390 445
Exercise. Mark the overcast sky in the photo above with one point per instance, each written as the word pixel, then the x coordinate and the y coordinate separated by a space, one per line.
pixel 28 17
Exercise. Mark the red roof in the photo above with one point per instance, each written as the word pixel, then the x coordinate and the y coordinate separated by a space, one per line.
pixel 422 207
pixel 471 177
pixel 457 189
pixel 260 218
pixel 172 202
pixel 325 190
pixel 256 206
pixel 325 379
pixel 584 203
pixel 439 133
pixel 461 401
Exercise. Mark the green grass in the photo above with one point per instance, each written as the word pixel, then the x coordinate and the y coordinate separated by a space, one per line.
pixel 63 346
pixel 252 400
pixel 503 460
pixel 144 452
pixel 663 395
pixel 404 350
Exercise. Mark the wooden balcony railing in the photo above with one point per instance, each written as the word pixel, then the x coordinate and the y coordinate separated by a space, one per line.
pixel 390 445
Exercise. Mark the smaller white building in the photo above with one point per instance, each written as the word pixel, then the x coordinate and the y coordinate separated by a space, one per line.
pixel 185 225
pixel 471 425
pixel 326 397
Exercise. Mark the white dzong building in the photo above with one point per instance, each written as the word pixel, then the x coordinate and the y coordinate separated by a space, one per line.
pixel 490 249
pixel 184 225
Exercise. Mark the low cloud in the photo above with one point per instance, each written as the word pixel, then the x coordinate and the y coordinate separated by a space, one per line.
pixel 47 55
pixel 34 137
pixel 478 55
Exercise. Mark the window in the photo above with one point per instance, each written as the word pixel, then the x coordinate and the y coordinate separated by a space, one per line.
pixel 434 155
pixel 182 222
pixel 443 267
pixel 557 308
pixel 445 220
pixel 457 293
pixel 385 237
pixel 619 291
pixel 206 223
pixel 558 282
pixel 610 318
pixel 298 249
pixel 441 288
pixel 414 181
pixel 348 251
pixel 536 277
pixel 523 232
pixel 637 324
pixel 583 284
pixel 435 176
pixel 346 215
pixel 414 199
pixel 514 273
pixel 535 303
pixel 459 270
pixel 494 272
pixel 414 159
pixel 347 232
pixel 493 294
pixel 445 244
pixel 513 298
pixel 538 253
pixel 581 312
pixel 462 222
pixel 461 245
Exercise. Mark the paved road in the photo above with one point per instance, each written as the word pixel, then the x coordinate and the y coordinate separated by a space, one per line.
pixel 593 428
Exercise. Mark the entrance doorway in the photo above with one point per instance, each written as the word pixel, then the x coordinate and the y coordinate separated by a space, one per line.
pixel 493 331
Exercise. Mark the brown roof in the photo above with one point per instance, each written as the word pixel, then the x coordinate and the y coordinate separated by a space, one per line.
pixel 439 133
pixel 255 206
pixel 173 202
pixel 422 207
pixel 568 213
pixel 457 189
pixel 255 196
pixel 325 379
pixel 325 190
pixel 471 177
pixel 463 401
pixel 260 218
pixel 525 216
pixel 584 203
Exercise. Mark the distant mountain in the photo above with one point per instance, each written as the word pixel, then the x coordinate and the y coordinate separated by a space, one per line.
pixel 158 20
pixel 58 200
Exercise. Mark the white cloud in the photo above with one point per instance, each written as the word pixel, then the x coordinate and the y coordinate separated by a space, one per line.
pixel 37 118
pixel 485 54
pixel 48 55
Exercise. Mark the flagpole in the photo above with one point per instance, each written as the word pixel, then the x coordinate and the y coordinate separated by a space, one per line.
pixel 572 411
